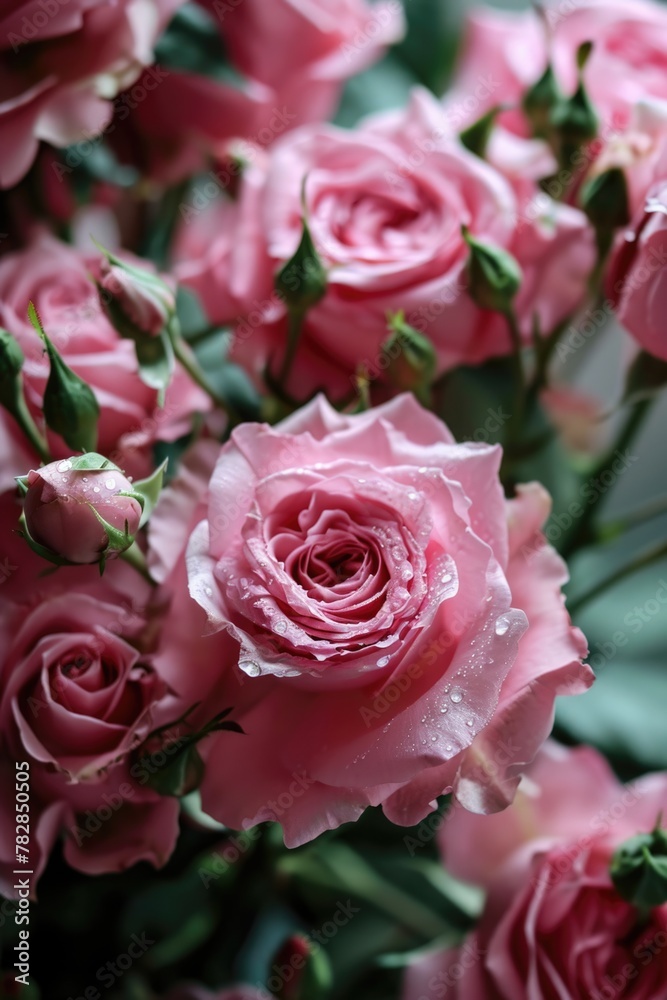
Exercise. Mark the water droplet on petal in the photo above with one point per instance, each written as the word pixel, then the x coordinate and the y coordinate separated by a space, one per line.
pixel 456 695
pixel 383 661
pixel 96 489
pixel 470 723
pixel 110 484
pixel 84 479
pixel 64 466
pixel 250 667
pixel 434 739
pixel 281 626
pixel 502 625
pixel 208 591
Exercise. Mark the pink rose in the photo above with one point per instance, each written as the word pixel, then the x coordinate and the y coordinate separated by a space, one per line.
pixel 61 68
pixel 397 622
pixel 385 204
pixel 294 57
pixel 79 691
pixel 216 246
pixel 63 505
pixel 553 923
pixel 505 53
pixel 57 279
pixel 637 278
pixel 181 506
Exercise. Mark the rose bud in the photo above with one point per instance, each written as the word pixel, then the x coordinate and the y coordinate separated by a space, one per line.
pixel 494 275
pixel 80 510
pixel 136 301
pixel 300 970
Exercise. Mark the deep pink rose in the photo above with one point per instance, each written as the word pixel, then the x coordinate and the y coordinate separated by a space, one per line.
pixel 61 65
pixel 505 53
pixel 553 924
pixel 62 505
pixel 57 278
pixel 637 279
pixel 396 620
pixel 386 204
pixel 79 691
pixel 292 56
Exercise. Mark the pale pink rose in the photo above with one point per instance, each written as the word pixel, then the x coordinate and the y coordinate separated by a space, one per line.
pixel 397 622
pixel 62 507
pixel 637 278
pixel 386 204
pixel 505 53
pixel 79 691
pixel 553 924
pixel 62 65
pixel 293 58
pixel 57 278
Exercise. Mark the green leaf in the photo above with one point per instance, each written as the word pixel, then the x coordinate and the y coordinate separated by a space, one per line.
pixel 639 869
pixel 91 461
pixel 149 489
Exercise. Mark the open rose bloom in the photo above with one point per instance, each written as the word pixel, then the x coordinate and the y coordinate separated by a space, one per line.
pixel 553 925
pixel 398 625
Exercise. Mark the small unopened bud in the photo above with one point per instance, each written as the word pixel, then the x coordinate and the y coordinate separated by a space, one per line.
pixel 80 510
pixel 409 357
pixel 70 407
pixel 300 970
pixel 605 199
pixel 494 275
pixel 540 100
pixel 573 119
pixel 302 281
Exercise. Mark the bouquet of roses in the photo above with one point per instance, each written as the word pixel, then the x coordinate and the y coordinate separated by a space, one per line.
pixel 304 428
